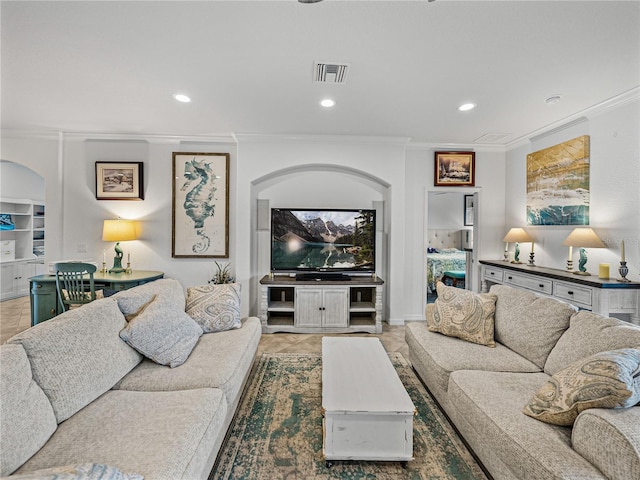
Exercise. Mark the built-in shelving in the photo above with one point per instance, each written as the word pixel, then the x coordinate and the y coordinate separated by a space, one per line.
pixel 22 248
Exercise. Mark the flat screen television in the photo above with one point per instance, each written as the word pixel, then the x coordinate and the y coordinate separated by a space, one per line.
pixel 323 240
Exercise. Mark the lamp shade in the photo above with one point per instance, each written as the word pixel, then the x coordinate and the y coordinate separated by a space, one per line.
pixel 119 230
pixel 517 235
pixel 583 237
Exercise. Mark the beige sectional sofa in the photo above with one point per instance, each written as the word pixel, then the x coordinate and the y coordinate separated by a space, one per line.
pixel 73 393
pixel 483 390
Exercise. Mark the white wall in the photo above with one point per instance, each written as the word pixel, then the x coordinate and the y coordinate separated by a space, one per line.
pixel 444 212
pixel 381 159
pixel 419 183
pixel 378 169
pixel 18 181
pixel 614 191
pixel 41 154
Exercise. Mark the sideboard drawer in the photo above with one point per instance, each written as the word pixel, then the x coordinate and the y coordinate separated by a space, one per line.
pixel 494 274
pixel 573 293
pixel 537 284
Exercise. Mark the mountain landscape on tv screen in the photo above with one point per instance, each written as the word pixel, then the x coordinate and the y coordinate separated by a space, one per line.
pixel 319 239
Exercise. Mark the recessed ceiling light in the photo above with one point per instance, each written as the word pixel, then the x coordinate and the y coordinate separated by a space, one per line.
pixel 327 103
pixel 466 106
pixel 553 99
pixel 182 98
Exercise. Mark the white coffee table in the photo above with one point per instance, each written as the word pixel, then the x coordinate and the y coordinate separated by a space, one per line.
pixel 368 414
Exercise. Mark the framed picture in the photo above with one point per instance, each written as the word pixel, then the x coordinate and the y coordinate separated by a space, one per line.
pixel 468 210
pixel 200 209
pixel 455 169
pixel 558 180
pixel 119 181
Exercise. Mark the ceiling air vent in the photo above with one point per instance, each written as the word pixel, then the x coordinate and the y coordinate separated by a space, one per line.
pixel 491 138
pixel 330 72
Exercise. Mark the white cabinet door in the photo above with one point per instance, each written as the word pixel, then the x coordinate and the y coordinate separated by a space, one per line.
pixel 25 271
pixel 308 307
pixel 322 307
pixel 8 285
pixel 336 307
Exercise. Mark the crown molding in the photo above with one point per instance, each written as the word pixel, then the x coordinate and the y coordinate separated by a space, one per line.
pixel 150 138
pixel 630 96
pixel 309 138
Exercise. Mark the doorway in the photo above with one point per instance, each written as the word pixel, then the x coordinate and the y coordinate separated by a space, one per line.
pixel 451 226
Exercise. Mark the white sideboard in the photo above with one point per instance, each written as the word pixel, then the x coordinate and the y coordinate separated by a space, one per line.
pixel 310 306
pixel 603 296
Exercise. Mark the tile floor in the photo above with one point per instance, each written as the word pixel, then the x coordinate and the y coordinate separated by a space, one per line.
pixel 15 316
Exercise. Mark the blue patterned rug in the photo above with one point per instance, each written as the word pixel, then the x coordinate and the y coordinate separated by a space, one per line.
pixel 277 432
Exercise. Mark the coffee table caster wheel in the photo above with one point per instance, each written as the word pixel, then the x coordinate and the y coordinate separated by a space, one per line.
pixel 404 465
pixel 328 464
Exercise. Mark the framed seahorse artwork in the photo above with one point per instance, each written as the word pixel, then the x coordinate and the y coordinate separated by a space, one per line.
pixel 200 209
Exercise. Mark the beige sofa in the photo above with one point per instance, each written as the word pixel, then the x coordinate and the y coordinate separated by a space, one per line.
pixel 483 390
pixel 73 393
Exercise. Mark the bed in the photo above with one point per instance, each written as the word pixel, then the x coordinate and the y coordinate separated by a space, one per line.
pixel 443 254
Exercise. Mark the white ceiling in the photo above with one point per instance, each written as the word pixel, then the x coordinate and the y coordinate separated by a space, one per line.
pixel 113 67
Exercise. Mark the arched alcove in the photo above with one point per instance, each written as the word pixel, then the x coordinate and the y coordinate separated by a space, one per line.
pixel 316 186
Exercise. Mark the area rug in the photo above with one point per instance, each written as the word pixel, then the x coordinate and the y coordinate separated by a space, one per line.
pixel 277 432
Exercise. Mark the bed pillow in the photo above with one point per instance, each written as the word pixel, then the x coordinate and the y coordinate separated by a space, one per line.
pixel 162 332
pixel 216 308
pixel 463 314
pixel 604 380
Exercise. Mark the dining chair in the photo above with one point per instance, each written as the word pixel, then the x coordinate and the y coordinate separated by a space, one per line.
pixel 74 283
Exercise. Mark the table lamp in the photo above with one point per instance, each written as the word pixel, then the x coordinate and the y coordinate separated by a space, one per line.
pixel 118 231
pixel 517 235
pixel 582 237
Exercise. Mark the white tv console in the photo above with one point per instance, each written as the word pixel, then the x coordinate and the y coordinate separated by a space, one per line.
pixel 321 306
pixel 603 296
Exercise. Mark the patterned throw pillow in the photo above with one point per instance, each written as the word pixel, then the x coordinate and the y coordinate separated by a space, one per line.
pixel 162 333
pixel 463 314
pixel 604 380
pixel 215 308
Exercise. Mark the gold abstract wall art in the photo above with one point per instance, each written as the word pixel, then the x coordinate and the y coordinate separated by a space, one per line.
pixel 558 184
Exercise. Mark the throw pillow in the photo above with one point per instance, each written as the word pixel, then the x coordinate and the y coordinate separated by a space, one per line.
pixel 463 314
pixel 163 333
pixel 85 471
pixel 215 308
pixel 604 380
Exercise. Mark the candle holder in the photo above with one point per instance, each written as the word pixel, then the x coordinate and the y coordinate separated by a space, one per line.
pixel 127 270
pixel 569 265
pixel 506 255
pixel 532 263
pixel 623 270
pixel 104 268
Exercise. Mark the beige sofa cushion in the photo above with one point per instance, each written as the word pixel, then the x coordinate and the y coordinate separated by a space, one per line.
pixel 77 356
pixel 27 418
pixel 610 439
pixel 435 356
pixel 487 406
pixel 605 380
pixel 159 435
pixel 590 333
pixel 84 471
pixel 220 360
pixel 528 323
pixel 462 314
